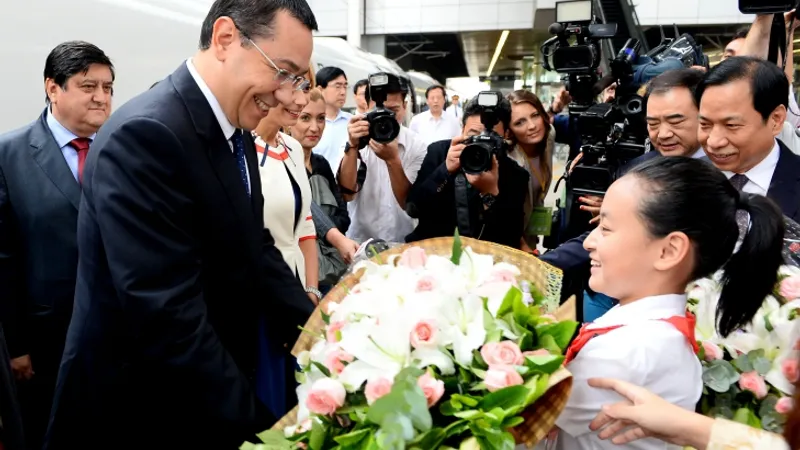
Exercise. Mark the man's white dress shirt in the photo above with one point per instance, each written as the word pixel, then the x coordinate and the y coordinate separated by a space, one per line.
pixel 645 351
pixel 227 127
pixel 759 177
pixel 434 129
pixel 375 213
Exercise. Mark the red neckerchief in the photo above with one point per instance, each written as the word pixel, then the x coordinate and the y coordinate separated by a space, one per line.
pixel 684 324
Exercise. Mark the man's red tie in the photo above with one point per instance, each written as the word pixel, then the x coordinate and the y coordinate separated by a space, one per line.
pixel 81 145
pixel 684 324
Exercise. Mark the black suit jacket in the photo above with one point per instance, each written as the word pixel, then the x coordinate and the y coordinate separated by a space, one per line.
pixel 432 201
pixel 39 200
pixel 784 190
pixel 175 270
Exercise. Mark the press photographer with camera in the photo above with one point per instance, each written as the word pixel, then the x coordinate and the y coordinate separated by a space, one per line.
pixel 381 161
pixel 469 183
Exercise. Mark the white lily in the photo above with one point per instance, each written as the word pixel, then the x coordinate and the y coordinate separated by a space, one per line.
pixel 463 327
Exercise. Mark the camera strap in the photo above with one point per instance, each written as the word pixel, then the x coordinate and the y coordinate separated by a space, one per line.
pixel 462 205
pixel 361 175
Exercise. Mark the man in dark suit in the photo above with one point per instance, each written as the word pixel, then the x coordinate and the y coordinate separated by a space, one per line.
pixel 494 200
pixel 743 106
pixel 40 188
pixel 175 265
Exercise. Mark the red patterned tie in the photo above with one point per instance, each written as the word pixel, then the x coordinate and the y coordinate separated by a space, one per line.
pixel 81 145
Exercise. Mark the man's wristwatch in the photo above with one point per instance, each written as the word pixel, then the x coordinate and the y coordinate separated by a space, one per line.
pixel 488 200
pixel 315 291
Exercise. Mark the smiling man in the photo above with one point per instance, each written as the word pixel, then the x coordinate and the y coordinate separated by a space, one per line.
pixel 40 191
pixel 742 112
pixel 175 268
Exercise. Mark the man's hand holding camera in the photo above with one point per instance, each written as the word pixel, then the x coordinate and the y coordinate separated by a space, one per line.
pixel 453 161
pixel 486 182
pixel 389 152
pixel 357 129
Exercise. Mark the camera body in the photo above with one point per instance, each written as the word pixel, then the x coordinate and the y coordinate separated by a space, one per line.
pixel 476 157
pixel 383 125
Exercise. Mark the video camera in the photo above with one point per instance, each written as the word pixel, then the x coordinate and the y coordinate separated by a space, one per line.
pixel 477 155
pixel 383 125
pixel 611 134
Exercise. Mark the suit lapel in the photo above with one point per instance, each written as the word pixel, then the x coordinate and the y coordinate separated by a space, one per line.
pixel 784 188
pixel 219 152
pixel 48 156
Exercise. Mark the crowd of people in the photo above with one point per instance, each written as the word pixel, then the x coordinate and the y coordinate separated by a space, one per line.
pixel 156 263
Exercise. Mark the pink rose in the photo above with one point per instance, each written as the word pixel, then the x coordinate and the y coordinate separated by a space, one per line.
pixel 712 351
pixel 753 382
pixel 433 388
pixel 790 370
pixel 790 288
pixel 325 397
pixel 333 330
pixel 784 405
pixel 413 258
pixel 426 284
pixel 424 334
pixel 502 276
pixel 540 352
pixel 336 359
pixel 500 376
pixel 377 388
pixel 505 352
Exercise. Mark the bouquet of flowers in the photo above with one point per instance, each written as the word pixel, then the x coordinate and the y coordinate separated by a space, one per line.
pixel 749 376
pixel 428 351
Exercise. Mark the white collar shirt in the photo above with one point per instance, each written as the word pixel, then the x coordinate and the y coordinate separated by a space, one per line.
pixel 375 213
pixel 759 177
pixel 645 351
pixel 431 129
pixel 227 127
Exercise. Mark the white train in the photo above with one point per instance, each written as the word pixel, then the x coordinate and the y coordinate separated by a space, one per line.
pixel 146 39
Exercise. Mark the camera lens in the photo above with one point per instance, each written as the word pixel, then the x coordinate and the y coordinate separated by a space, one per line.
pixel 384 128
pixel 476 158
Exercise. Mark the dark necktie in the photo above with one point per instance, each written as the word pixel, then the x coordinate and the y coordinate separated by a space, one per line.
pixel 238 151
pixel 738 181
pixel 81 145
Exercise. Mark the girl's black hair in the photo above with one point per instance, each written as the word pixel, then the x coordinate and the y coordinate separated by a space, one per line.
pixel 694 197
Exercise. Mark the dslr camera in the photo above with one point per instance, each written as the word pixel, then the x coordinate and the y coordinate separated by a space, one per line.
pixel 383 125
pixel 476 157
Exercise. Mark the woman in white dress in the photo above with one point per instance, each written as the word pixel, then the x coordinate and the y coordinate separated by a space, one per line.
pixel 287 216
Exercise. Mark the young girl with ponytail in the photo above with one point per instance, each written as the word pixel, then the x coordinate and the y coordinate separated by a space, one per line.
pixel 664 224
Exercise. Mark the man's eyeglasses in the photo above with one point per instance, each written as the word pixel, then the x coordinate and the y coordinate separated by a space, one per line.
pixel 284 77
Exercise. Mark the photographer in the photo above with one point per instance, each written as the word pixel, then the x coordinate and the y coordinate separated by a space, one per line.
pixel 375 177
pixel 487 206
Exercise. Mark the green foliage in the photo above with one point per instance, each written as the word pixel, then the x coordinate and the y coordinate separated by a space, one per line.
pixel 458 248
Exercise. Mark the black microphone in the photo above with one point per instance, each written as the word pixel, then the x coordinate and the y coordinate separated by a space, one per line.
pixel 555 28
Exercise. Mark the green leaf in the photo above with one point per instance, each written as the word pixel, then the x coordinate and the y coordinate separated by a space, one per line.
pixel 512 422
pixel 322 368
pixel 544 363
pixel 743 363
pixel 468 400
pixel 394 432
pixel 430 440
pixel 405 400
pixel 470 414
pixel 318 434
pixel 507 306
pixel 548 343
pixel 274 438
pixel 747 417
pixel 537 386
pixel 352 438
pixel 510 398
pixel 561 332
pixel 471 443
pixel 456 428
pixel 325 318
pixel 719 375
pixel 458 249
pixel 762 365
